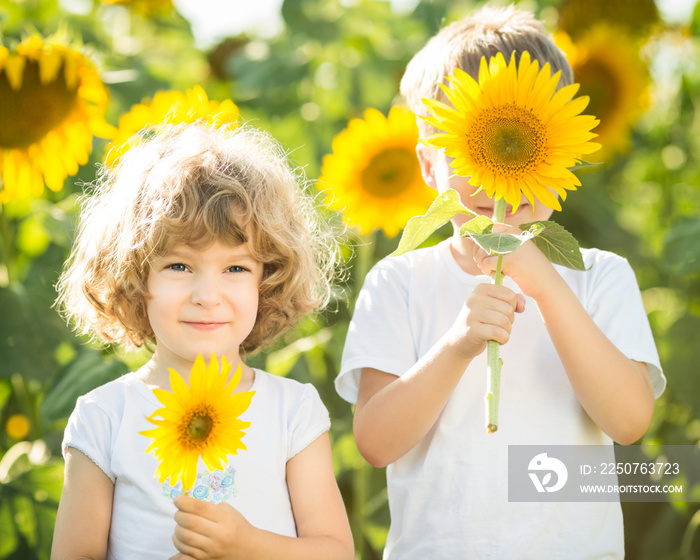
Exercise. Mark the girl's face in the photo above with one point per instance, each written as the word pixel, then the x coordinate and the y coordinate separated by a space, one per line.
pixel 202 301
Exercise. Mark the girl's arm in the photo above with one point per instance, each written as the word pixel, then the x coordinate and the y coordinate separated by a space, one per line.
pixel 85 511
pixel 208 531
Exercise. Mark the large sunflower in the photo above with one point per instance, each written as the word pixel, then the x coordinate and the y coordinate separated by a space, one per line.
pixel 52 104
pixel 607 63
pixel 199 422
pixel 373 173
pixel 511 133
pixel 169 107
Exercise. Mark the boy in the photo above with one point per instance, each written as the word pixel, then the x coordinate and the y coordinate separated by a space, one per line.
pixel 580 365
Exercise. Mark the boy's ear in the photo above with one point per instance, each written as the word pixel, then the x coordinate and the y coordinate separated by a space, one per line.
pixel 426 159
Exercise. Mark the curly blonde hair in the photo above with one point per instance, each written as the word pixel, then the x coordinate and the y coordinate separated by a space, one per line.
pixel 463 43
pixel 193 184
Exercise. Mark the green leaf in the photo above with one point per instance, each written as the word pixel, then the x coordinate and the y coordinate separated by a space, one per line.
pixel 580 164
pixel 29 330
pixel 280 362
pixel 89 370
pixel 8 533
pixel 376 534
pixel 5 392
pixel 500 243
pixel 557 244
pixel 681 247
pixel 476 226
pixel 535 228
pixel 682 361
pixel 419 228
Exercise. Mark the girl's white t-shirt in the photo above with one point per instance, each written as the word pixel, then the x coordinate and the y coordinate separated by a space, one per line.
pixel 285 416
pixel 448 496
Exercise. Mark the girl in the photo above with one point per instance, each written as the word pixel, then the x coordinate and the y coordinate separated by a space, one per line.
pixel 200 241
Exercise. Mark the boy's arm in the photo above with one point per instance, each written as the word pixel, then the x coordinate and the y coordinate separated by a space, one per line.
pixel 84 512
pixel 615 391
pixel 394 413
pixel 205 530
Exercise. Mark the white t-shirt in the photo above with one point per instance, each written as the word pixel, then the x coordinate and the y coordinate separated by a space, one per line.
pixel 285 417
pixel 448 495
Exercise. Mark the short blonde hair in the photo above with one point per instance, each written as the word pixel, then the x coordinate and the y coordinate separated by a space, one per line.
pixel 463 43
pixel 195 184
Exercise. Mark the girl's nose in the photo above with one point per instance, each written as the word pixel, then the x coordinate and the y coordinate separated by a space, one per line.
pixel 206 292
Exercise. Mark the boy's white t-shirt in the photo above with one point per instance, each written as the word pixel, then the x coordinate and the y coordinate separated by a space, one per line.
pixel 448 496
pixel 285 416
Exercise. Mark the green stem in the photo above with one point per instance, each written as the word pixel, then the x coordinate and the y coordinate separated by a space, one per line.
pixel 364 253
pixel 6 250
pixel 494 362
pixel 688 536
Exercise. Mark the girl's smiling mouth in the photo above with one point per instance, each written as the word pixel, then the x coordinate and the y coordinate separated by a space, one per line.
pixel 203 326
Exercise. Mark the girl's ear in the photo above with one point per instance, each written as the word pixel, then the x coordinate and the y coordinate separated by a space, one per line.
pixel 426 159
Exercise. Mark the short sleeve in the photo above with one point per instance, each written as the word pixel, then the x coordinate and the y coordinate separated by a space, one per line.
pixel 379 335
pixel 615 305
pixel 89 430
pixel 309 420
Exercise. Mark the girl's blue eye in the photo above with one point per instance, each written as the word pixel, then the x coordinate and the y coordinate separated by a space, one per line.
pixel 237 268
pixel 178 267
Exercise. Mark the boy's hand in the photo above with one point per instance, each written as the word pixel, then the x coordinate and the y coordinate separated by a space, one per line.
pixel 488 314
pixel 527 265
pixel 208 531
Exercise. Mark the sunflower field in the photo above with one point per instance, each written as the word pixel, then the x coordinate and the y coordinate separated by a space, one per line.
pixel 78 77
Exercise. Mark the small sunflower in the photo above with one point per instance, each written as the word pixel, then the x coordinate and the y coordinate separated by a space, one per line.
pixel 201 421
pixel 18 426
pixel 373 173
pixel 607 63
pixel 53 103
pixel 169 107
pixel 148 8
pixel 510 133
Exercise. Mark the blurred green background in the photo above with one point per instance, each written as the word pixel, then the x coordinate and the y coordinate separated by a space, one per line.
pixel 329 61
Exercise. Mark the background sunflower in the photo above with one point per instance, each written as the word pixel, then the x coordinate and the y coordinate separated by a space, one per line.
pixel 373 176
pixel 148 8
pixel 607 63
pixel 172 107
pixel 53 103
pixel 636 18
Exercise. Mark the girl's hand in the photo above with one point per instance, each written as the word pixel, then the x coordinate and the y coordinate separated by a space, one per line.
pixel 209 531
pixel 527 265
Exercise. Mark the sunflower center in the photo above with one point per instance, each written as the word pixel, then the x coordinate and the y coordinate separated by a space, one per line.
pixel 390 172
pixel 200 427
pixel 197 426
pixel 508 139
pixel 33 110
